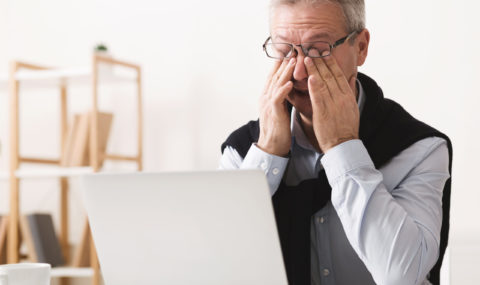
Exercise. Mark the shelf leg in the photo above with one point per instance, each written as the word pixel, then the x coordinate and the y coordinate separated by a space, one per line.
pixel 13 225
pixel 94 161
pixel 13 238
pixel 94 263
pixel 63 120
pixel 94 151
pixel 64 227
pixel 140 120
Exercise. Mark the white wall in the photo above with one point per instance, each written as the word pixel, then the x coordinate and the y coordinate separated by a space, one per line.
pixel 204 70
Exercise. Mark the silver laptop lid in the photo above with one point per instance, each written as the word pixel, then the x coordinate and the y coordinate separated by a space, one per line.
pixel 184 228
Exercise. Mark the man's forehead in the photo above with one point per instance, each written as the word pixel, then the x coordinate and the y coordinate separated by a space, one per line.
pixel 304 22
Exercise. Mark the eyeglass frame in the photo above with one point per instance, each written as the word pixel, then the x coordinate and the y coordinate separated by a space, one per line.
pixel 304 50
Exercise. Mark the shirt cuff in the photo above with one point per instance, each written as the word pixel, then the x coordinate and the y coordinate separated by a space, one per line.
pixel 273 166
pixel 347 156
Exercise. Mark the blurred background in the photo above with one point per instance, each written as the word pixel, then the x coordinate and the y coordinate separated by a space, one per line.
pixel 204 69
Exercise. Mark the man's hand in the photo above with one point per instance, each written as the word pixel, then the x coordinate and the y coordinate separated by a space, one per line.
pixel 275 135
pixel 336 117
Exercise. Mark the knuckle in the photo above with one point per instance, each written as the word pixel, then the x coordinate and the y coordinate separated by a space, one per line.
pixel 327 76
pixel 342 105
pixel 316 83
pixel 338 74
pixel 277 98
pixel 275 77
pixel 322 85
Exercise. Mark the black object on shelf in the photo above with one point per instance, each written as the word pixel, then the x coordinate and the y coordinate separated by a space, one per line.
pixel 45 241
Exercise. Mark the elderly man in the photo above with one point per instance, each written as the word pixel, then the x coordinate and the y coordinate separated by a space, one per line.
pixel 357 183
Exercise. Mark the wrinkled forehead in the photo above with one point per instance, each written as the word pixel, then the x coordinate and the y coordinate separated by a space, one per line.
pixel 305 22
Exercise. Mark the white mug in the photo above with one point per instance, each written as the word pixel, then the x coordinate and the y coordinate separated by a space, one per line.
pixel 25 274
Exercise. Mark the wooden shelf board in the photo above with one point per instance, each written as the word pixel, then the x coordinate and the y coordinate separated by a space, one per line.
pixel 69 76
pixel 57 172
pixel 48 172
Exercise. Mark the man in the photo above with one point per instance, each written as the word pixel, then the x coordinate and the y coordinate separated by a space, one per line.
pixel 357 183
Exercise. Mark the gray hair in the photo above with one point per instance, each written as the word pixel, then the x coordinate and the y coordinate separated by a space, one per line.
pixel 353 10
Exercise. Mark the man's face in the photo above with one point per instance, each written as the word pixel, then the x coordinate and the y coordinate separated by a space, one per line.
pixel 303 23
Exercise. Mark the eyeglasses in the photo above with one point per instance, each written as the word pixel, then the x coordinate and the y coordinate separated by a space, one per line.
pixel 313 49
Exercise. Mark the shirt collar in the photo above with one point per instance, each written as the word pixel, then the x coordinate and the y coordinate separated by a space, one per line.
pixel 298 134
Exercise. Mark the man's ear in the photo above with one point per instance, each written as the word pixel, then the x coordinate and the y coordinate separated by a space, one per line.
pixel 362 42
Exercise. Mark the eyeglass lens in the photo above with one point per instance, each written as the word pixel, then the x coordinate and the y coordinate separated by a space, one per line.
pixel 283 50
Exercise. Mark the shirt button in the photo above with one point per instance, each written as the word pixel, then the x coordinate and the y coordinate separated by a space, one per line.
pixel 321 220
pixel 275 171
pixel 326 272
pixel 263 165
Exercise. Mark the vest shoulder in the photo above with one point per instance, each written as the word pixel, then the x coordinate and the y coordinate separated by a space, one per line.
pixel 242 138
pixel 401 121
pixel 399 129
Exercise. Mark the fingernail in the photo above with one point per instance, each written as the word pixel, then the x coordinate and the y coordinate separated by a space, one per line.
pixel 325 53
pixel 308 60
pixel 292 61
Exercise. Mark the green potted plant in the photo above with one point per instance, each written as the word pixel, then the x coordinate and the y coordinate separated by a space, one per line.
pixel 102 50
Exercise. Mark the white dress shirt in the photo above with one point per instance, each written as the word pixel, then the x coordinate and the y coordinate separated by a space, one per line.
pixel 382 226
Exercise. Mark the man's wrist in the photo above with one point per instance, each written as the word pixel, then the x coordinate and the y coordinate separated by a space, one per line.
pixel 273 151
pixel 329 146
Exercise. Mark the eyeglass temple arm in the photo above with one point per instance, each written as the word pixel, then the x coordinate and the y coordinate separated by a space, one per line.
pixel 342 40
pixel 265 43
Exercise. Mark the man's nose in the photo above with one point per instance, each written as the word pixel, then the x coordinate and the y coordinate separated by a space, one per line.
pixel 300 71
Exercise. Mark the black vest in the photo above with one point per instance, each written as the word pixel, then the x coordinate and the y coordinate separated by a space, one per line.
pixel 386 129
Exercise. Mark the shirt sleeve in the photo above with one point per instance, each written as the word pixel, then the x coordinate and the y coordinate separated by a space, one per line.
pixel 395 232
pixel 273 166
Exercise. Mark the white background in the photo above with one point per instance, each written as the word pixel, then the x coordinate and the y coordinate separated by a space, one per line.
pixel 204 70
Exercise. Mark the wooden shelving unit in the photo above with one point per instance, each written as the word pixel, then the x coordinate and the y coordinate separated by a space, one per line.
pixel 25 75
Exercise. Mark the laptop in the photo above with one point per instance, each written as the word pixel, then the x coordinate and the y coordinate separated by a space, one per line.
pixel 184 228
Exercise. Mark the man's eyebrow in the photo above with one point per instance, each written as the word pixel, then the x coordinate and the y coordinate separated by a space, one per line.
pixel 316 37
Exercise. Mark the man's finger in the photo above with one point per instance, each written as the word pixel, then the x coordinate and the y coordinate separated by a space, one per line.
pixel 316 86
pixel 327 76
pixel 276 76
pixel 280 70
pixel 287 72
pixel 337 73
pixel 280 77
pixel 310 65
pixel 282 92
